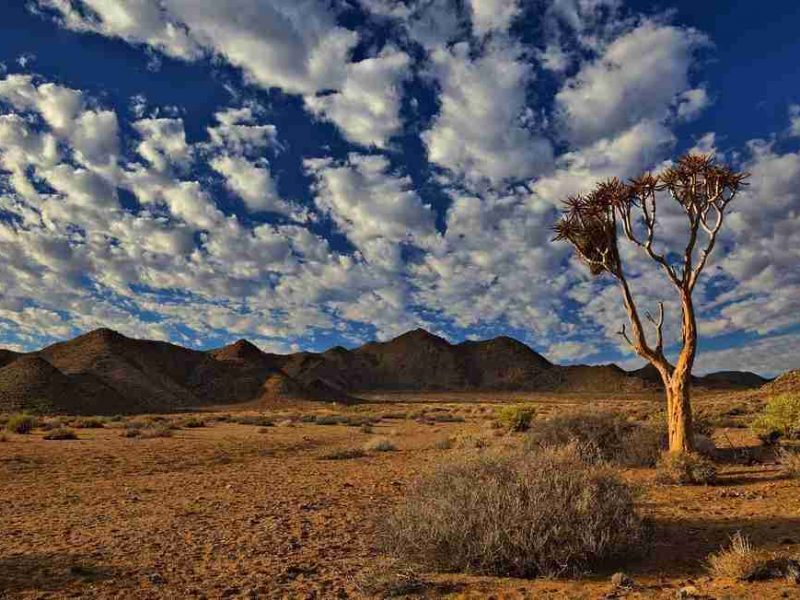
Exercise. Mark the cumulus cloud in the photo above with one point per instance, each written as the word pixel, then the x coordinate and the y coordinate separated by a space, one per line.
pixel 481 131
pixel 637 77
pixel 366 107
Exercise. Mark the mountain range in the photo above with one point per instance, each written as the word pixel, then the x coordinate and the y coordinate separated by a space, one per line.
pixel 105 372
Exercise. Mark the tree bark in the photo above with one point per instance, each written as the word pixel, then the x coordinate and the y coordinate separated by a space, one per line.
pixel 678 385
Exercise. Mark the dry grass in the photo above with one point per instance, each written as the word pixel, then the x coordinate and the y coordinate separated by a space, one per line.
pixel 21 423
pixel 389 579
pixel 544 513
pixel 343 454
pixel 743 562
pixel 601 437
pixel 61 433
pixel 790 462
pixel 686 468
pixel 380 445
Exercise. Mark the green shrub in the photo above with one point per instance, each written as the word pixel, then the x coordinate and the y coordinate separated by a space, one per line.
pixel 21 423
pixel 61 433
pixel 781 418
pixel 686 468
pixel 545 513
pixel 602 437
pixel 517 417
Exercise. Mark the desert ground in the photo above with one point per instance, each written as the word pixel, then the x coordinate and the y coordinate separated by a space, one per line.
pixel 268 507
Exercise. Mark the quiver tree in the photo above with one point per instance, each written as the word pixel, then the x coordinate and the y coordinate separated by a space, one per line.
pixel 594 223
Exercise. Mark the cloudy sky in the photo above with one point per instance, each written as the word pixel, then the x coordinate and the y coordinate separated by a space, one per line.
pixel 306 173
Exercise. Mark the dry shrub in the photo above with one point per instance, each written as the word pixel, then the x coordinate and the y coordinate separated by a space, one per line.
pixel 380 445
pixel 343 454
pixel 61 433
pixel 602 437
pixel 686 468
pixel 790 462
pixel 21 423
pixel 257 420
pixel 164 430
pixel 543 513
pixel 88 423
pixel 740 560
pixel 193 423
pixel 131 432
pixel 517 417
pixel 330 419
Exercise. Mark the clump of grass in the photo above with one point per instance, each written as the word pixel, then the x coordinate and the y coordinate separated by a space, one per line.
pixel 157 431
pixel 601 437
pixel 21 423
pixel 193 422
pixel 380 445
pixel 741 561
pixel 88 423
pixel 517 417
pixel 389 579
pixel 686 468
pixel 343 454
pixel 544 513
pixel 131 432
pixel 444 443
pixel 329 419
pixel 790 462
pixel 781 418
pixel 258 420
pixel 61 433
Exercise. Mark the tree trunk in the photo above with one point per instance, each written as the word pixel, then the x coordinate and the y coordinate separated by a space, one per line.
pixel 679 407
pixel 679 415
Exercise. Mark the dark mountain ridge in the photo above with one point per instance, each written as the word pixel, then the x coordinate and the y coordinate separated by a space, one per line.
pixel 106 372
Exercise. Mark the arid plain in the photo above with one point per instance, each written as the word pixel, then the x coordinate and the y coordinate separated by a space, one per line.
pixel 288 502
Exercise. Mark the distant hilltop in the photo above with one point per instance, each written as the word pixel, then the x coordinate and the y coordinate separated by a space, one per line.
pixel 105 372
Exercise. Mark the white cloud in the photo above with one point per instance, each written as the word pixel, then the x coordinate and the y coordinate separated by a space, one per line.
pixel 376 209
pixel 481 131
pixel 251 182
pixel 367 106
pixel 492 15
pixel 794 120
pixel 163 143
pixel 637 78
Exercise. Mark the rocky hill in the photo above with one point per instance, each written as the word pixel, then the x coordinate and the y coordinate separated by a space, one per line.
pixel 789 382
pixel 106 372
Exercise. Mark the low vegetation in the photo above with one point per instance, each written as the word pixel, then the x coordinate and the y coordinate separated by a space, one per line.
pixel 780 419
pixel 516 417
pixel 602 437
pixel 343 454
pixel 684 468
pixel 61 433
pixel 388 579
pixel 88 423
pixel 542 513
pixel 743 562
pixel 21 423
pixel 380 445
pixel 790 462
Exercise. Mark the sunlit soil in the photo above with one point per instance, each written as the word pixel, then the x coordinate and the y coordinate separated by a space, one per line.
pixel 246 511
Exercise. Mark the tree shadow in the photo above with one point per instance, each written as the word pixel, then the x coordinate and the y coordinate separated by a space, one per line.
pixel 681 545
pixel 49 572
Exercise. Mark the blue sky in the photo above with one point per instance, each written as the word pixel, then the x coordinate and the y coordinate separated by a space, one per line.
pixel 309 173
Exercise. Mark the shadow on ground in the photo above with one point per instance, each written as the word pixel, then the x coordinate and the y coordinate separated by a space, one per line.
pixel 49 572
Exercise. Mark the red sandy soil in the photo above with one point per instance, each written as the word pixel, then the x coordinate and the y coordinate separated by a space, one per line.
pixel 239 511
